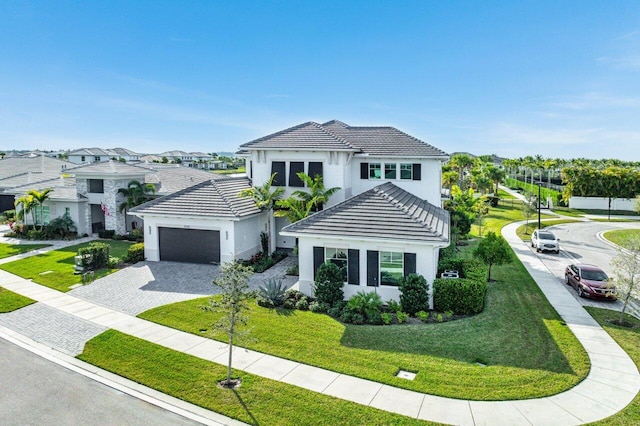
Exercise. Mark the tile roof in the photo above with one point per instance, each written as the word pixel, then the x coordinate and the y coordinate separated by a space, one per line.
pixel 170 178
pixel 63 189
pixel 336 135
pixel 213 198
pixel 384 212
pixel 111 168
pixel 19 165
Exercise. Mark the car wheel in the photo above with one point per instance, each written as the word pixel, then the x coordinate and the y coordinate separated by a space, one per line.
pixel 557 251
pixel 538 250
pixel 566 279
pixel 580 292
pixel 532 246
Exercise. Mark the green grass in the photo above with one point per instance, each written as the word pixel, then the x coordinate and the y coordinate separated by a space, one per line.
pixel 544 192
pixel 566 211
pixel 257 401
pixel 54 269
pixel 230 171
pixel 524 231
pixel 618 236
pixel 502 194
pixel 8 250
pixel 521 339
pixel 605 212
pixel 502 215
pixel 10 301
pixel 613 219
pixel 629 340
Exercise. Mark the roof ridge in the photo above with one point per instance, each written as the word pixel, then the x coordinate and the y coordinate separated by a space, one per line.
pixel 338 138
pixel 416 139
pixel 224 196
pixel 278 133
pixel 171 196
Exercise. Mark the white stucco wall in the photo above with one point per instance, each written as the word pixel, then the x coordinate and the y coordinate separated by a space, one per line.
pixel 426 263
pixel 238 239
pixel 601 203
pixel 428 187
pixel 334 169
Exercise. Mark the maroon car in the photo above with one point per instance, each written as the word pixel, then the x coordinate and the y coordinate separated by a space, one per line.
pixel 589 281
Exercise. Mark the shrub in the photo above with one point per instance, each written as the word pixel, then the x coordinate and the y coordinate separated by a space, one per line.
pixel 386 318
pixel 9 215
pixel 113 262
pixel 460 295
pixel 35 234
pixel 274 291
pixel 303 304
pixel 493 201
pixel 94 256
pixel 293 270
pixel 422 316
pixel 393 306
pixel 289 304
pixel 368 305
pixel 264 242
pixel 61 227
pixel 402 317
pixel 295 295
pixel 328 285
pixel 137 234
pixel 135 253
pixel 337 309
pixel 106 234
pixel 414 294
pixel 318 308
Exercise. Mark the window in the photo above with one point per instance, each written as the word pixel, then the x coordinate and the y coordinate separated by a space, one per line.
pixel 391 267
pixel 96 186
pixel 390 171
pixel 338 257
pixel 42 215
pixel 375 172
pixel 406 171
pixel 296 167
pixel 97 158
pixel 315 169
pixel 82 158
pixel 279 168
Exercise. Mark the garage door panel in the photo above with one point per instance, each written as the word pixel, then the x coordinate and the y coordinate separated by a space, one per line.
pixel 189 245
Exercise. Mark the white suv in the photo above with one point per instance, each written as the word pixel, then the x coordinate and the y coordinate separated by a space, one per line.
pixel 543 240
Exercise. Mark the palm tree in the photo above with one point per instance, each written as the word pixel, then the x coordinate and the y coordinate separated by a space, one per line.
pixel 39 198
pixel 294 209
pixel 318 195
pixel 462 163
pixel 135 194
pixel 265 199
pixel 28 205
pixel 496 175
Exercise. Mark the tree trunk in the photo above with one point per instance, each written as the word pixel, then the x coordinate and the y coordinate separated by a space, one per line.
pixel 272 232
pixel 489 274
pixel 232 325
pixel 624 306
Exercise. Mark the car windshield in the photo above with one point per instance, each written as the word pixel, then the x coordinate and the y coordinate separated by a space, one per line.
pixel 546 236
pixel 591 275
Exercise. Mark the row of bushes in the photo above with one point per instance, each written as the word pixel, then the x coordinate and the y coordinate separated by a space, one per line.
pixel 96 256
pixel 136 235
pixel 59 228
pixel 464 295
pixel 261 262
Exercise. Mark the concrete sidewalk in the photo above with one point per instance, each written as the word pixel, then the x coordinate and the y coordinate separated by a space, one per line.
pixel 610 386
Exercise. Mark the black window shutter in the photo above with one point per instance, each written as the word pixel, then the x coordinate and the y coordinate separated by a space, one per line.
pixel 417 175
pixel 364 170
pixel 315 169
pixel 318 259
pixel 353 267
pixel 278 167
pixel 296 167
pixel 409 263
pixel 372 268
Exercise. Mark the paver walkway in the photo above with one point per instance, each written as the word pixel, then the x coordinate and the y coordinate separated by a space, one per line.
pixel 611 384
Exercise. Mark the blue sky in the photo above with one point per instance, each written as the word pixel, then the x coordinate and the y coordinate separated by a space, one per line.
pixel 514 78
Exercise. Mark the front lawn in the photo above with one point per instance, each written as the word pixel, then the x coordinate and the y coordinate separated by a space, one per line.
pixel 10 301
pixel 629 340
pixel 259 401
pixel 8 250
pixel 618 236
pixel 54 269
pixel 524 231
pixel 525 349
pixel 504 213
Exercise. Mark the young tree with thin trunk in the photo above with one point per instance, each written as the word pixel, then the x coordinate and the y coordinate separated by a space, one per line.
pixel 493 250
pixel 265 198
pixel 627 267
pixel 234 283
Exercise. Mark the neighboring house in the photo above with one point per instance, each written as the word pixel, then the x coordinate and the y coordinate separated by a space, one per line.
pixel 197 160
pixel 205 223
pixel 18 171
pixel 96 155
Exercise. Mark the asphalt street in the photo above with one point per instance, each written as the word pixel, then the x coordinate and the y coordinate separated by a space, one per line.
pixel 34 391
pixel 580 243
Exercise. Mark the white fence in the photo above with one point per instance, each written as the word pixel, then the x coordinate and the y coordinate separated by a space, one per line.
pixel 601 203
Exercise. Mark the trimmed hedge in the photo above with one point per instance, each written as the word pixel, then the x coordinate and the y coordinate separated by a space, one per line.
pixel 135 253
pixel 462 296
pixel 465 295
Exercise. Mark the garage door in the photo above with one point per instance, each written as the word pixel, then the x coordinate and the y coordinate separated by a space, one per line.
pixel 189 245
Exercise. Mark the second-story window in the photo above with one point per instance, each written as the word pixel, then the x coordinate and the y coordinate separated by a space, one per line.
pixel 296 167
pixel 375 171
pixel 390 170
pixel 96 186
pixel 279 168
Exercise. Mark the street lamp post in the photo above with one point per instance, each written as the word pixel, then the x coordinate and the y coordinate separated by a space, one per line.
pixel 539 186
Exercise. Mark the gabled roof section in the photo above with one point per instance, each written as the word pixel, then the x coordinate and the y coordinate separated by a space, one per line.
pixel 213 198
pixel 18 165
pixel 307 135
pixel 384 212
pixel 170 178
pixel 335 135
pixel 110 168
